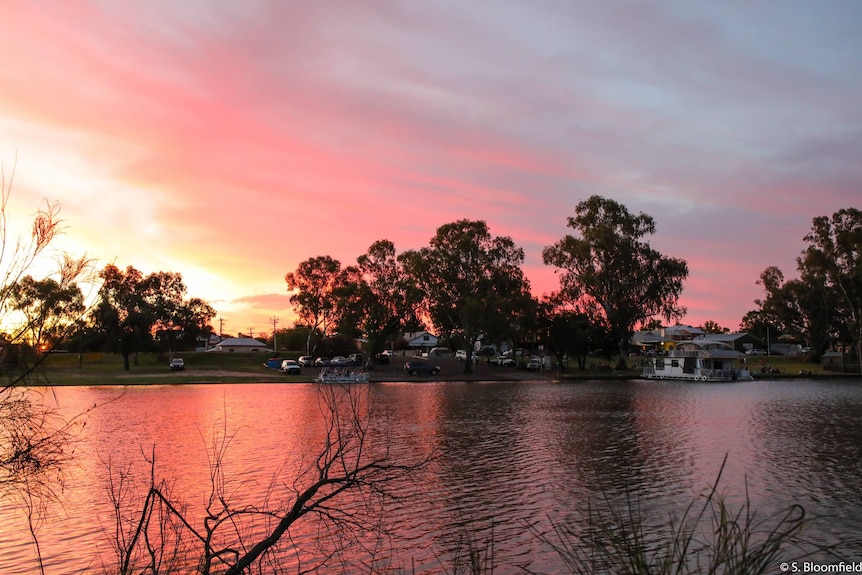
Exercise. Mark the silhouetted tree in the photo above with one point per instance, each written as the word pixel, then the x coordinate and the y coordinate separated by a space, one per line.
pixel 472 282
pixel 609 264
pixel 134 309
pixel 312 285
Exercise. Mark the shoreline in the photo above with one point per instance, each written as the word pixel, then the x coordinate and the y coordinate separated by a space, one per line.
pixel 107 371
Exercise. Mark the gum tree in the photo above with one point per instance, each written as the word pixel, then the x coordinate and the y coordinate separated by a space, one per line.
pixel 472 282
pixel 311 286
pixel 387 296
pixel 607 264
pixel 834 255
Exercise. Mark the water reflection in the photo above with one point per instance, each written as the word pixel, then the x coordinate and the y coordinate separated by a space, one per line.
pixel 512 457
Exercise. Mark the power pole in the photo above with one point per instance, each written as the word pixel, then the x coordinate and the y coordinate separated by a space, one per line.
pixel 274 321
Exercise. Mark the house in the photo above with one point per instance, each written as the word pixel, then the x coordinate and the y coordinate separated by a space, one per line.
pixel 739 341
pixel 667 337
pixel 421 340
pixel 240 344
pixel 681 332
pixel 648 341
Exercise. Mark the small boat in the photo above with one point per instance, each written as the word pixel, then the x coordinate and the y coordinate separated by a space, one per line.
pixel 696 361
pixel 341 374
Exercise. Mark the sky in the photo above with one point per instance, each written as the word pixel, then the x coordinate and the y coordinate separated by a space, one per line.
pixel 229 141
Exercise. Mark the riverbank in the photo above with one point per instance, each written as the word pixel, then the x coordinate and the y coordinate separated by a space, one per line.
pixel 152 369
pixel 107 369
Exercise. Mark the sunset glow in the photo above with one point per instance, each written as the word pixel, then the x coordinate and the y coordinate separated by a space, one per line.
pixel 229 141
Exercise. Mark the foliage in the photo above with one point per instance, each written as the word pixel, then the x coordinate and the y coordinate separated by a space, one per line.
pixel 711 326
pixel 472 282
pixel 137 312
pixel 569 332
pixel 823 306
pixel 50 307
pixel 389 299
pixel 337 495
pixel 35 444
pixel 834 254
pixel 609 266
pixel 312 285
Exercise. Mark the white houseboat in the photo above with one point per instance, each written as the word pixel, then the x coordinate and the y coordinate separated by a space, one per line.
pixel 696 361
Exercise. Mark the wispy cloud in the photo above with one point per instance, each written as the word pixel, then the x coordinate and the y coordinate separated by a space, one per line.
pixel 236 139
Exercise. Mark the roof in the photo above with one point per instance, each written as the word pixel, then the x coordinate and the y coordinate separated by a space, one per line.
pixel 725 336
pixel 240 342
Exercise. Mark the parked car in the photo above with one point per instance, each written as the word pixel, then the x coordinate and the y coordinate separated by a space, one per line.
pixel 461 355
pixel 505 361
pixel 177 364
pixel 356 359
pixel 305 361
pixel 321 361
pixel 339 360
pixel 755 352
pixel 290 367
pixel 383 358
pixel 534 364
pixel 421 368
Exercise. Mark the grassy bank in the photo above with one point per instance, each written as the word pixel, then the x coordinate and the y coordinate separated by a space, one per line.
pixel 149 369
pixel 200 367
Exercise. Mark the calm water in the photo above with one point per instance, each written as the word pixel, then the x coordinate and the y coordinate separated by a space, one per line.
pixel 511 455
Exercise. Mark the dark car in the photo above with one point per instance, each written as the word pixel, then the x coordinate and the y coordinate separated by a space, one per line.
pixel 177 364
pixel 421 368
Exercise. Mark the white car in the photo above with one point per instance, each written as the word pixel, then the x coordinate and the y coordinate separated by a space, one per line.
pixel 290 367
pixel 461 355
pixel 305 361
pixel 339 360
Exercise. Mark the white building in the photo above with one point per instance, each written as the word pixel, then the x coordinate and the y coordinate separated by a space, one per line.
pixel 240 345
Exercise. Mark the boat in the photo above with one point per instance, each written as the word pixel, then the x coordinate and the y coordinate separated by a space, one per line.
pixel 342 374
pixel 698 361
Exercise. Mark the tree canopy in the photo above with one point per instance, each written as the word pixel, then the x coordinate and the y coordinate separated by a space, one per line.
pixel 823 306
pixel 137 312
pixel 609 266
pixel 472 282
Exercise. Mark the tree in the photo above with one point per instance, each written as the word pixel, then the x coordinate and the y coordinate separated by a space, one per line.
pixel 568 331
pixel 834 253
pixel 388 298
pixel 337 495
pixel 133 309
pixel 823 306
pixel 35 443
pixel 609 265
pixel 710 326
pixel 472 282
pixel 312 285
pixel 803 309
pixel 50 307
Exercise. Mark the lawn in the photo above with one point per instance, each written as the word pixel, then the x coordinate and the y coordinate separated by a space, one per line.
pixel 149 368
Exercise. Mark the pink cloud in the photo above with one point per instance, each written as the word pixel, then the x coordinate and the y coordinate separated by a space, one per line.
pixel 238 140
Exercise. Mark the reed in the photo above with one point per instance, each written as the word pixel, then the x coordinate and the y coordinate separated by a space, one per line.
pixel 711 536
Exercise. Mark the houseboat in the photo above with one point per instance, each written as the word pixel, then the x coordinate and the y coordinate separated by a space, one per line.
pixel 341 374
pixel 698 361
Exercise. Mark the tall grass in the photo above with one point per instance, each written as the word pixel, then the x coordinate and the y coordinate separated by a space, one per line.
pixel 709 537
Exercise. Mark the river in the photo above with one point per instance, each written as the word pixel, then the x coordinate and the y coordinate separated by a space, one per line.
pixel 512 459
